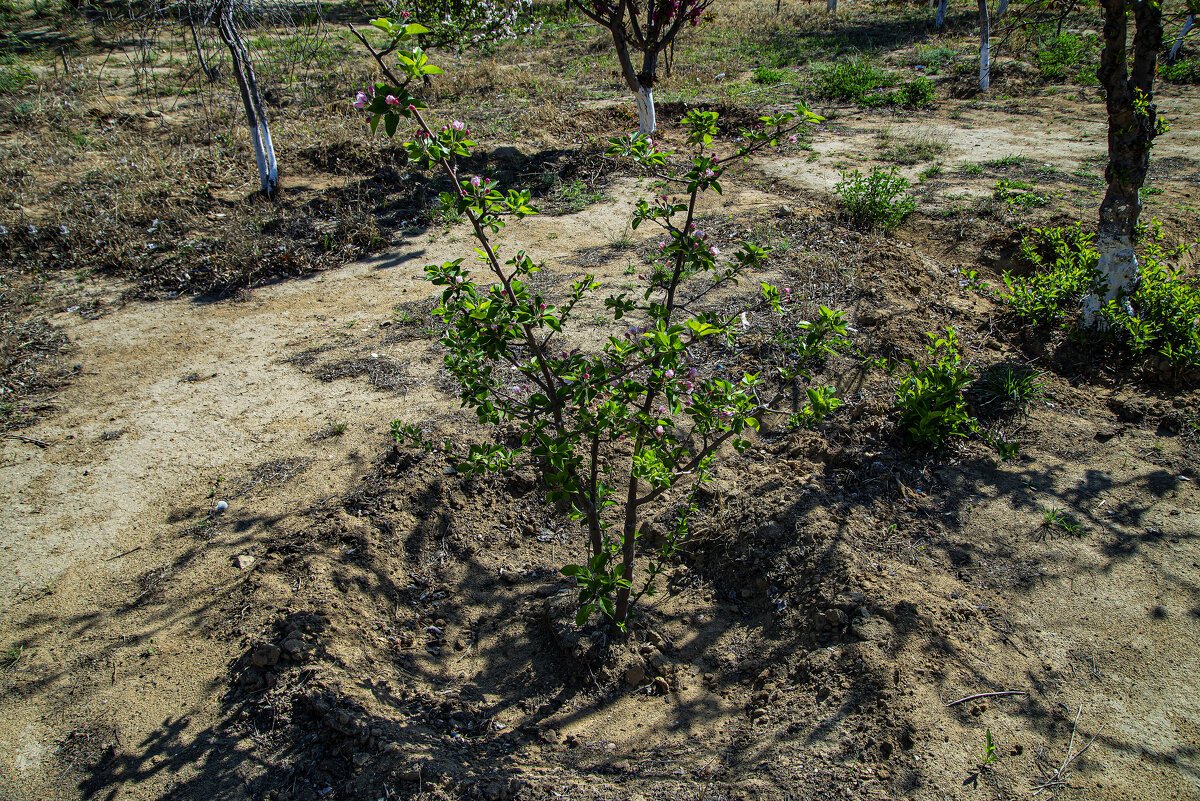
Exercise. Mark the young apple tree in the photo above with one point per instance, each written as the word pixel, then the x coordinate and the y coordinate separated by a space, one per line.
pixel 646 27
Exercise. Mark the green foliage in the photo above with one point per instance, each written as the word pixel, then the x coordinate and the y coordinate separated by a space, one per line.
pixel 879 199
pixel 930 402
pixel 612 429
pixel 822 401
pixel 1062 263
pixel 768 75
pixel 14 78
pixel 917 93
pixel 574 196
pixel 1006 387
pixel 856 80
pixel 1066 56
pixel 1018 194
pixel 934 57
pixel 1165 318
pixel 1181 71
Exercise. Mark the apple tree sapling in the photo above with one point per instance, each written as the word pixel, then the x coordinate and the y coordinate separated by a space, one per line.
pixel 635 422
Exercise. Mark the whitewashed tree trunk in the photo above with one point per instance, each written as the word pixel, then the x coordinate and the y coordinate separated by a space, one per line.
pixel 1118 264
pixel 256 117
pixel 940 21
pixel 1002 8
pixel 1187 26
pixel 645 106
pixel 831 6
pixel 985 58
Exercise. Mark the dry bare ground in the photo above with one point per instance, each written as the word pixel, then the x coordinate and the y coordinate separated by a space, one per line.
pixel 360 622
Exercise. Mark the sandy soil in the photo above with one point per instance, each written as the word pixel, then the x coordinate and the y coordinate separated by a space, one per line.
pixel 141 612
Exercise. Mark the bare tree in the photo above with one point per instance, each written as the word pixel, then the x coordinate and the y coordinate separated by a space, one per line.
pixel 256 116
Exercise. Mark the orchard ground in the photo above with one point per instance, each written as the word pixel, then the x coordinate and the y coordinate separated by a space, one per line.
pixel 362 623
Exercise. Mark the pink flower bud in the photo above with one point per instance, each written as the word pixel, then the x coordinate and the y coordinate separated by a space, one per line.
pixel 360 100
pixel 475 181
pixel 658 430
pixel 669 374
pixel 709 174
pixel 391 100
pixel 458 125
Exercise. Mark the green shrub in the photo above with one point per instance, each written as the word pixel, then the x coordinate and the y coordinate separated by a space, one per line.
pixel 878 200
pixel 856 80
pixel 930 399
pixel 917 93
pixel 1063 264
pixel 1004 388
pixel 934 58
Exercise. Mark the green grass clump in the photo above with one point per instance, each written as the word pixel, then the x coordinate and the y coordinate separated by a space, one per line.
pixel 917 93
pixel 768 75
pixel 14 78
pixel 877 200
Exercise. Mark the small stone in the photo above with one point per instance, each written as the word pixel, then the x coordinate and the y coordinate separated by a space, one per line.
pixel 511 576
pixel 391 748
pixel 460 644
pixel 265 656
pixel 661 685
pixel 786 211
pixel 360 759
pixel 220 506
pixel 635 675
pixel 244 561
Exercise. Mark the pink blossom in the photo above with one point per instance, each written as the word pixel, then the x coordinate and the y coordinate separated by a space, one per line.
pixel 709 174
pixel 458 125
pixel 669 374
pixel 658 430
pixel 391 100
pixel 360 100
pixel 475 181
pixel 716 251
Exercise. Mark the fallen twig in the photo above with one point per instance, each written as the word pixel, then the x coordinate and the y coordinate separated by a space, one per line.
pixel 986 695
pixel 30 440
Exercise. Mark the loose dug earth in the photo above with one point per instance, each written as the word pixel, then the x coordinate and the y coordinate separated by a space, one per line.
pixel 362 623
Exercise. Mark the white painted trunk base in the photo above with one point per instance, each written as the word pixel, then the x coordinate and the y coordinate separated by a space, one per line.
pixel 1119 266
pixel 645 106
pixel 985 58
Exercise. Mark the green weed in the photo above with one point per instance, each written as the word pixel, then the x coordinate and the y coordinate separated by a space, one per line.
pixel 879 199
pixel 1018 194
pixel 1006 387
pixel 1063 264
pixel 932 410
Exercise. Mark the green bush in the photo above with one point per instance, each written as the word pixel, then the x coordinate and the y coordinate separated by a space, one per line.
pixel 1063 268
pixel 878 200
pixel 917 93
pixel 930 399
pixel 856 80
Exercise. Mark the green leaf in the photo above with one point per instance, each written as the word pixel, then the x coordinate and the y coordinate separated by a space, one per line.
pixel 583 614
pixel 390 121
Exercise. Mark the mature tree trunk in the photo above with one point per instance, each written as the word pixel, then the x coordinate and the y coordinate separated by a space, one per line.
pixel 1132 126
pixel 831 6
pixel 985 56
pixel 642 83
pixel 940 21
pixel 256 117
pixel 1187 26
pixel 1001 8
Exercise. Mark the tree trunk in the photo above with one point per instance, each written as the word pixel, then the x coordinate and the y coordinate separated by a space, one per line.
pixel 1132 123
pixel 940 21
pixel 1001 8
pixel 985 57
pixel 256 118
pixel 1187 26
pixel 831 6
pixel 642 84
